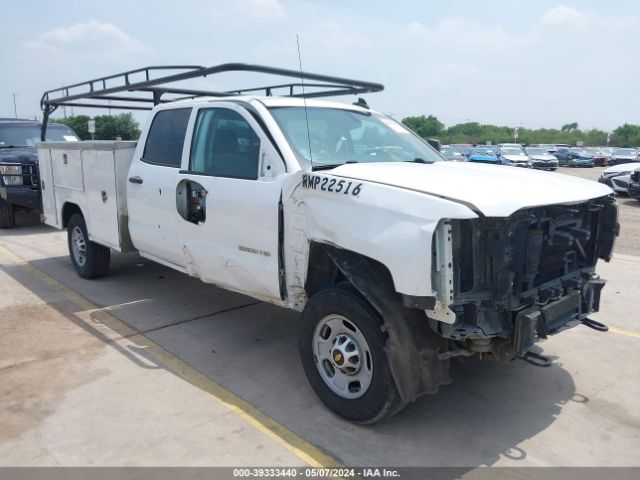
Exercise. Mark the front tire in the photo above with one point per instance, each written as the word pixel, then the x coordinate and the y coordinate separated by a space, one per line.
pixel 342 352
pixel 89 259
pixel 7 214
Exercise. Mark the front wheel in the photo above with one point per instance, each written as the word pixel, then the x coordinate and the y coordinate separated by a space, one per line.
pixel 342 351
pixel 7 214
pixel 89 259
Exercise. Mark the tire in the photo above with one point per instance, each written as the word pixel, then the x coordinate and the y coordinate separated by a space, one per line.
pixel 7 214
pixel 330 308
pixel 88 258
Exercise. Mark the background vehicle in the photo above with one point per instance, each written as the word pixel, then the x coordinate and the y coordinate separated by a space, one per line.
pixel 634 185
pixel 482 155
pixel 453 154
pixel 514 155
pixel 623 155
pixel 19 180
pixel 395 257
pixel 618 176
pixel 600 157
pixel 541 158
pixel 574 157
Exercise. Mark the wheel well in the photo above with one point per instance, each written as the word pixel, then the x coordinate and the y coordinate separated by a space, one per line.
pixel 329 265
pixel 68 210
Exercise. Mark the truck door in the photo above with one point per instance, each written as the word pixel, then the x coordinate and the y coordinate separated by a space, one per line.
pixel 151 186
pixel 228 203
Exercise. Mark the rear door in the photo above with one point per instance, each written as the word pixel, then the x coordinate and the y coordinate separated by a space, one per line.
pixel 151 188
pixel 228 203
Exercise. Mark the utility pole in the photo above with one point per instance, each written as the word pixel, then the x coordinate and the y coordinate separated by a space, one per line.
pixel 15 108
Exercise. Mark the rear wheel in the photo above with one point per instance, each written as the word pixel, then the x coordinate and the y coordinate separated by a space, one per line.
pixel 90 259
pixel 7 214
pixel 342 351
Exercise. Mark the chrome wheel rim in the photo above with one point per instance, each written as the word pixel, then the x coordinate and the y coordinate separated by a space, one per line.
pixel 342 356
pixel 78 246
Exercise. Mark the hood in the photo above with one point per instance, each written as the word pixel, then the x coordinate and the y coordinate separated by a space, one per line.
pixel 624 156
pixel 493 190
pixel 19 155
pixel 544 157
pixel 621 167
pixel 516 158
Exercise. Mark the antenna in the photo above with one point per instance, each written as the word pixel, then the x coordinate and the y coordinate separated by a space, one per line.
pixel 304 98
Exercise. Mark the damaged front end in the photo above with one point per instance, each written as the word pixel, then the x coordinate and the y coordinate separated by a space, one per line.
pixel 504 283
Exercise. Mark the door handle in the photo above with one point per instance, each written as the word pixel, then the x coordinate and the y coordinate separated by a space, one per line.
pixel 137 180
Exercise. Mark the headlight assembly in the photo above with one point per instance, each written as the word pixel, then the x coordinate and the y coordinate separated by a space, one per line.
pixel 11 174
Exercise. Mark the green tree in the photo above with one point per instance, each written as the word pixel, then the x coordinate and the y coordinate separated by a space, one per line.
pixel 108 127
pixel 426 127
pixel 626 135
pixel 78 123
pixel 569 127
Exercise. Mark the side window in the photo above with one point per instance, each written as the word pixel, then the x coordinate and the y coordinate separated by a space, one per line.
pixel 224 145
pixel 166 137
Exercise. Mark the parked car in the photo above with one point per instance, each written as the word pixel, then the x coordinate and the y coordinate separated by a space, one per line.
pixel 453 154
pixel 624 155
pixel 19 179
pixel 634 185
pixel 541 158
pixel 513 155
pixel 618 176
pixel 600 157
pixel 570 157
pixel 482 155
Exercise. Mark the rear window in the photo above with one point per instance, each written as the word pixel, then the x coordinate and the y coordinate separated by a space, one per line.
pixel 166 137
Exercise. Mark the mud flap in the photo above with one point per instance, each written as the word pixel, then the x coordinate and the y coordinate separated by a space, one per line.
pixel 412 348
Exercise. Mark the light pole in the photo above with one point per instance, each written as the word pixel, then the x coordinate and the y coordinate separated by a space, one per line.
pixel 15 108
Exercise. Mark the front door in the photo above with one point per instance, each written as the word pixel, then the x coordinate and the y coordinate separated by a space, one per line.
pixel 228 202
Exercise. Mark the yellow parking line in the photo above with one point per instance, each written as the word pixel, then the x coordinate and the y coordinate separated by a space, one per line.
pixel 307 452
pixel 622 331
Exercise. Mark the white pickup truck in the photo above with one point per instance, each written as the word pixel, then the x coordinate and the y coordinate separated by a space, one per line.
pixel 398 259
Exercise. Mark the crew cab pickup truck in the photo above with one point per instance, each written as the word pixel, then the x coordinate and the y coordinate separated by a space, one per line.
pixel 398 259
pixel 19 181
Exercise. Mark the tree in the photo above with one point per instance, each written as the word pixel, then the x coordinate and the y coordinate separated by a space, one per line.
pixel 108 127
pixel 569 127
pixel 626 135
pixel 426 127
pixel 78 123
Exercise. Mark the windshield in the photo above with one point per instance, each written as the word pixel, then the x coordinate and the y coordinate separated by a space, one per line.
pixel 27 135
pixel 511 151
pixel 537 151
pixel 338 136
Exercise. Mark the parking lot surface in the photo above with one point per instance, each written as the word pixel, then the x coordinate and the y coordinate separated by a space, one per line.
pixel 150 367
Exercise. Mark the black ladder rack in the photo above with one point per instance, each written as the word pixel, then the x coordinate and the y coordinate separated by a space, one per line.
pixel 102 92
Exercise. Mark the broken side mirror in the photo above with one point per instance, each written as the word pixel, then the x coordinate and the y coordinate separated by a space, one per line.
pixel 191 201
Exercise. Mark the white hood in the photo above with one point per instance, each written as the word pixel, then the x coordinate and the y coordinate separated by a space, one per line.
pixel 622 167
pixel 493 190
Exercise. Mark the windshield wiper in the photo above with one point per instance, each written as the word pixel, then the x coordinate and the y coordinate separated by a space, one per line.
pixel 417 160
pixel 13 146
pixel 333 165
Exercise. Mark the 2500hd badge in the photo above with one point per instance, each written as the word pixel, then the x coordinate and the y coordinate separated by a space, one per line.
pixel 328 184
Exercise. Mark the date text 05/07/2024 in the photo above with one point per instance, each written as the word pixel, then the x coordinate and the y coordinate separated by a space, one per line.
pixel 329 184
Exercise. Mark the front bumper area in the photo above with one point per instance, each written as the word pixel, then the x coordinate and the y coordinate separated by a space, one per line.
pixel 22 196
pixel 521 279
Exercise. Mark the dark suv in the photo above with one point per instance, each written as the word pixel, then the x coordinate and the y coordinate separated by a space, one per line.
pixel 19 179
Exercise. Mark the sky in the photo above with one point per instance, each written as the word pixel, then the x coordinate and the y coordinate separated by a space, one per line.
pixel 534 64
